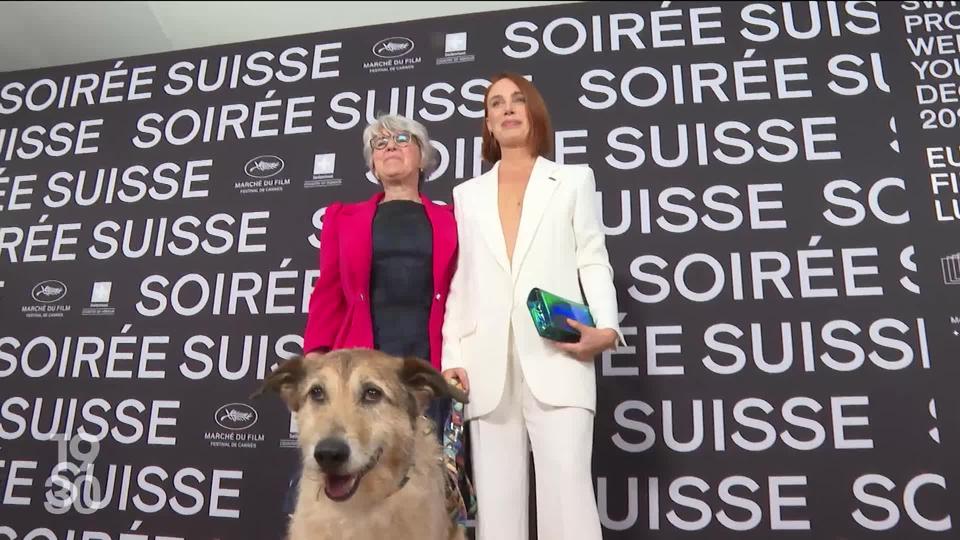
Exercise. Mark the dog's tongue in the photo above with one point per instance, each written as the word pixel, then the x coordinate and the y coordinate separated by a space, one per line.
pixel 339 487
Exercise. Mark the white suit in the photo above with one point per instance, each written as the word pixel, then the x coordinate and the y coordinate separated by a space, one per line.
pixel 522 384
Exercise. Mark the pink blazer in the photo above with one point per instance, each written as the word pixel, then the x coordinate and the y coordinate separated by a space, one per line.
pixel 339 315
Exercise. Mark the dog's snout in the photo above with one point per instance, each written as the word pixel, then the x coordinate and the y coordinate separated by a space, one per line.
pixel 331 452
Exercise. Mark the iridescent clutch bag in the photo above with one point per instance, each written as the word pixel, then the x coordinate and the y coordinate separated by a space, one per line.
pixel 550 313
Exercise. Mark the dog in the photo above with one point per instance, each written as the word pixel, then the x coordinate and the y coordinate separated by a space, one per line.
pixel 371 463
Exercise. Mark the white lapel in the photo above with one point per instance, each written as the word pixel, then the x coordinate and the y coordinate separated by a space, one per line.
pixel 536 199
pixel 489 212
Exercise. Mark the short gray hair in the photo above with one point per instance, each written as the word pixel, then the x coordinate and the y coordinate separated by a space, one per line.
pixel 392 123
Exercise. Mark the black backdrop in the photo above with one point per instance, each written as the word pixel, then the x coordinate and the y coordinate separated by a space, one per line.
pixel 778 183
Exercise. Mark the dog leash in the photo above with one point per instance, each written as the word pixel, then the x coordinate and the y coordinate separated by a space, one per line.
pixel 461 499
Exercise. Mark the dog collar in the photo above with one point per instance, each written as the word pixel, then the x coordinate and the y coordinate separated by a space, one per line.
pixel 403 482
pixel 406 475
pixel 405 479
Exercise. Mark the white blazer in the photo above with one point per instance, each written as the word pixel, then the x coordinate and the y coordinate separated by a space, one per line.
pixel 560 246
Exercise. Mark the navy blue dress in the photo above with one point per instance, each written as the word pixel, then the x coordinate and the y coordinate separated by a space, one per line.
pixel 401 286
pixel 401 279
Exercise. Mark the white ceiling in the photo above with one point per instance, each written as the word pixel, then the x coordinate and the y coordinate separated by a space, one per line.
pixel 44 34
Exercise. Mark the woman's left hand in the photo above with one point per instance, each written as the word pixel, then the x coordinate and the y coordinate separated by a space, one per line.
pixel 592 341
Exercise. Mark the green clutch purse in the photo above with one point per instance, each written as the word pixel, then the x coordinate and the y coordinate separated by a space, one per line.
pixel 550 313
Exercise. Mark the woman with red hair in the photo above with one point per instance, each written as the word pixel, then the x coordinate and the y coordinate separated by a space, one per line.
pixel 528 223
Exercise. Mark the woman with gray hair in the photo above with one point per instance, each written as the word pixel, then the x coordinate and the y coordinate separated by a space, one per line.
pixel 378 133
pixel 386 263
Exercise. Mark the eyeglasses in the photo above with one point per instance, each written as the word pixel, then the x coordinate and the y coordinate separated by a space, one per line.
pixel 401 138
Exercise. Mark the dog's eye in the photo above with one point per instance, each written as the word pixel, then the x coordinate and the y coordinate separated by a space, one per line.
pixel 317 394
pixel 372 395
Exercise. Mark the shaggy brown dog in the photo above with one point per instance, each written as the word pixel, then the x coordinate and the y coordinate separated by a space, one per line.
pixel 371 466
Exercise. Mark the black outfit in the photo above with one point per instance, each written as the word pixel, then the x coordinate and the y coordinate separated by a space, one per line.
pixel 401 279
pixel 401 287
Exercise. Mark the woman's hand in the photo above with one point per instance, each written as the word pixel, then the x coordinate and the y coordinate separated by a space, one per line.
pixel 592 341
pixel 460 375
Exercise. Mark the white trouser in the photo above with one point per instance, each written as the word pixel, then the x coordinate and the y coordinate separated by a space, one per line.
pixel 562 443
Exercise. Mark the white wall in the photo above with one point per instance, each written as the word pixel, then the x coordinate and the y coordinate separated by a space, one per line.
pixel 43 34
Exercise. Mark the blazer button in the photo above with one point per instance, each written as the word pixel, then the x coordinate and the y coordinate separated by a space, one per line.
pixel 438 296
pixel 361 297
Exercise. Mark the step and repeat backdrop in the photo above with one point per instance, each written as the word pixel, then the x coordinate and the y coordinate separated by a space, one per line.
pixel 778 183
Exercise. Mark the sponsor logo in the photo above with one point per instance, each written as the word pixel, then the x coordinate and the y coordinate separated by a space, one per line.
pixel 951 269
pixel 293 440
pixel 263 167
pixel 455 50
pixel 47 300
pixel 100 300
pixel 101 292
pixel 235 421
pixel 263 175
pixel 236 416
pixel 48 292
pixel 324 166
pixel 392 54
pixel 456 44
pixel 394 47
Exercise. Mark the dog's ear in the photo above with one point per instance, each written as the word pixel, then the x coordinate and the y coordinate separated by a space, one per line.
pixel 285 380
pixel 427 383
